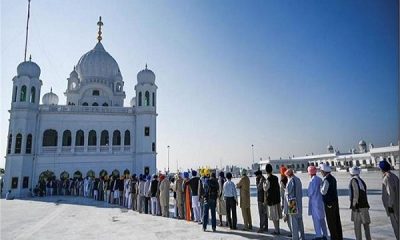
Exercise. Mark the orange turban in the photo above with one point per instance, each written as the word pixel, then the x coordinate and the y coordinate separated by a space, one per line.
pixel 283 170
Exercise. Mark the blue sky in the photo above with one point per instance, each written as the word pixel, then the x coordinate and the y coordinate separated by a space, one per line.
pixel 289 77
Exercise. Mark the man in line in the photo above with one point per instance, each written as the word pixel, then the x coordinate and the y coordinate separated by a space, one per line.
pixel 390 195
pixel 262 202
pixel 179 194
pixel 331 202
pixel 316 205
pixel 210 195
pixel 271 187
pixel 230 196
pixel 194 187
pixel 141 190
pixel 133 195
pixel 359 204
pixel 164 195
pixel 244 187
pixel 294 193
pixel 221 206
pixel 153 194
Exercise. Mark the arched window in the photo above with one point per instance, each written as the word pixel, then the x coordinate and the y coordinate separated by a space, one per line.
pixel 15 94
pixel 95 104
pixel 103 173
pixel 105 104
pixel 64 175
pixel 80 138
pixel 67 140
pixel 154 99
pixel 9 144
pixel 147 99
pixel 85 104
pixel 104 139
pixel 18 143
pixel 23 94
pixel 116 138
pixel 140 99
pixel 90 173
pixel 33 94
pixel 28 147
pixel 127 137
pixel 92 138
pixel 153 147
pixel 50 138
pixel 115 173
pixel 118 87
pixel 77 174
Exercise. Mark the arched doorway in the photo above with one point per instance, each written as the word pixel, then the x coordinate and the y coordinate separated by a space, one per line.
pixel 90 173
pixel 127 173
pixel 103 173
pixel 64 175
pixel 77 174
pixel 115 173
pixel 46 175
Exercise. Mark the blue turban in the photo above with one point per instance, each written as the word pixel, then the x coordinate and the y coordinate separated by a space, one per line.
pixel 186 175
pixel 148 177
pixel 194 173
pixel 384 165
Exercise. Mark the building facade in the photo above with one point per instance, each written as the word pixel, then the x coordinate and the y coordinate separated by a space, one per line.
pixel 92 134
pixel 364 157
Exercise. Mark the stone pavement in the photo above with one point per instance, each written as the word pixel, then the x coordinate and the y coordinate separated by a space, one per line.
pixel 65 217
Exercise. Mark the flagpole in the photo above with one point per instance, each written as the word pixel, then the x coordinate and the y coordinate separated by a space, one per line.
pixel 27 25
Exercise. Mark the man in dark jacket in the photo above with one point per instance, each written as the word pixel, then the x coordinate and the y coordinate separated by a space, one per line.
pixel 262 204
pixel 194 187
pixel 209 195
pixel 331 203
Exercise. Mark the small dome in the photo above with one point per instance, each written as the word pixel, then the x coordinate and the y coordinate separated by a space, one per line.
pixel 73 74
pixel 133 102
pixel 146 76
pixel 50 98
pixel 28 68
pixel 362 143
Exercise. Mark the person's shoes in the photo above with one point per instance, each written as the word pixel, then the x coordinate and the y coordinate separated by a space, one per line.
pixel 261 230
pixel 214 230
pixel 276 233
pixel 250 227
pixel 245 229
pixel 204 229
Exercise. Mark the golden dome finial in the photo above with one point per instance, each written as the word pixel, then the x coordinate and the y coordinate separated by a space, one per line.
pixel 100 24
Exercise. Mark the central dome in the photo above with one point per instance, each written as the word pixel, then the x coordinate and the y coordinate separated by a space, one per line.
pixel 97 64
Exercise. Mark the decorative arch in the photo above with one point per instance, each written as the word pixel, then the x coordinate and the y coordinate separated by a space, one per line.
pixel 105 104
pixel 127 138
pixel 23 94
pixel 95 104
pixel 140 99
pixel 126 172
pixel 92 141
pixel 50 137
pixel 85 104
pixel 46 175
pixel 15 94
pixel 18 143
pixel 64 175
pixel 116 138
pixel 33 95
pixel 67 140
pixel 103 173
pixel 77 174
pixel 104 138
pixel 153 99
pixel 147 98
pixel 79 138
pixel 28 146
pixel 115 173
pixel 90 173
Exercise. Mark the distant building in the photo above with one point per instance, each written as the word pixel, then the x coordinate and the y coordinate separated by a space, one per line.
pixel 365 157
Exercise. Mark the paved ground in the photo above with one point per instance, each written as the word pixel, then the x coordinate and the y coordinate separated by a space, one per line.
pixel 79 218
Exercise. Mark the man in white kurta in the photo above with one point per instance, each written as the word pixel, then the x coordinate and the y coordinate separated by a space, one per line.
pixel 294 191
pixel 164 195
pixel 315 204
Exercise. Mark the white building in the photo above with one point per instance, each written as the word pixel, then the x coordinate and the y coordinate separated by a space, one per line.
pixel 365 157
pixel 93 133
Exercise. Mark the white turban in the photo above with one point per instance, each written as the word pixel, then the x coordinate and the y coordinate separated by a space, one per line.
pixel 325 167
pixel 355 170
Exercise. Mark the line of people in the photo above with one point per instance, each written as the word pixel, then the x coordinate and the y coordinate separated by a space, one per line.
pixel 199 198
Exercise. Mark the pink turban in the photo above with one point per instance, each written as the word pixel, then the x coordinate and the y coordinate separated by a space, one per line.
pixel 312 170
pixel 289 172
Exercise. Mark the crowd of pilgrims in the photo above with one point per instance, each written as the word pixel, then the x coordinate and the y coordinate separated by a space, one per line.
pixel 196 198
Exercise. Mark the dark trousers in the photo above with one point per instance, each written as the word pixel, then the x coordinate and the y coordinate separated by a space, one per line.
pixel 333 220
pixel 209 205
pixel 146 205
pixel 263 212
pixel 231 210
